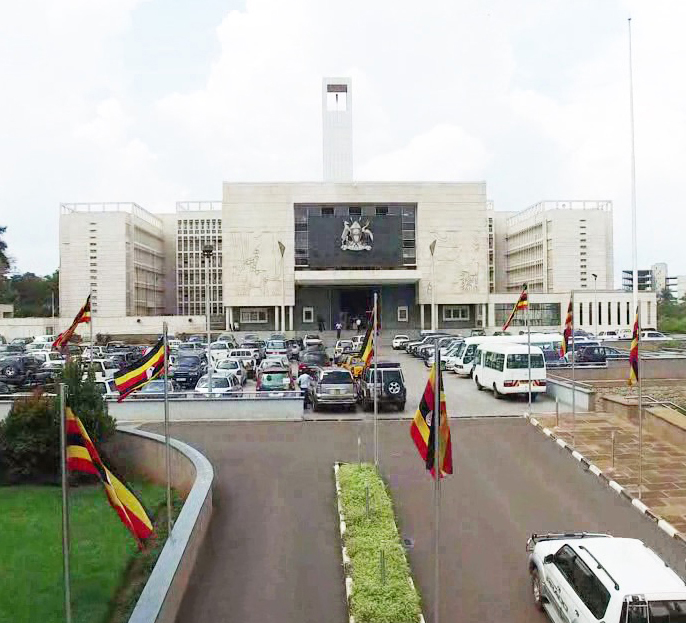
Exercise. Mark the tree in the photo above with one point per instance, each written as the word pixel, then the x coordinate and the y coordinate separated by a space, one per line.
pixel 4 260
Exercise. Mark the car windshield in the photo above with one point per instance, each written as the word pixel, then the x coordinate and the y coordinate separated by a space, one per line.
pixel 276 344
pixel 336 376
pixel 218 346
pixel 519 361
pixel 312 357
pixel 228 365
pixel 217 382
pixel 154 387
pixel 189 361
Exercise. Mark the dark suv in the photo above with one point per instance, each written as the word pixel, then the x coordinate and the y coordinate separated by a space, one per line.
pixel 392 389
pixel 188 370
pixel 599 354
pixel 22 370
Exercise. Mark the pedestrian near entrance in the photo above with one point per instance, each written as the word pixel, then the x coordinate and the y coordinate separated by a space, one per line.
pixel 358 324
pixel 339 326
pixel 303 382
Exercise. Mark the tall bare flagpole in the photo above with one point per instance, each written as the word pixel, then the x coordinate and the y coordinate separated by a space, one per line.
pixel 436 421
pixel 573 374
pixel 65 503
pixel 376 386
pixel 528 343
pixel 634 252
pixel 640 406
pixel 167 449
pixel 90 300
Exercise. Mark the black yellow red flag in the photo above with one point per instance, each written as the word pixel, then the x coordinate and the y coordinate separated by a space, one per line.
pixel 424 426
pixel 82 456
pixel 141 371
pixel 567 333
pixel 522 303
pixel 633 353
pixel 84 315
pixel 368 345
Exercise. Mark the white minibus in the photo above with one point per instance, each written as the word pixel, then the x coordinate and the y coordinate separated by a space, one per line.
pixel 463 358
pixel 504 369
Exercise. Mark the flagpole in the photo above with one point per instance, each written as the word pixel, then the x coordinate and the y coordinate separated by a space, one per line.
pixel 436 424
pixel 528 343
pixel 634 245
pixel 65 504
pixel 376 388
pixel 90 304
pixel 167 449
pixel 573 374
pixel 640 403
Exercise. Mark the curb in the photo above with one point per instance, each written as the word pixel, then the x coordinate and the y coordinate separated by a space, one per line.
pixel 344 552
pixel 661 523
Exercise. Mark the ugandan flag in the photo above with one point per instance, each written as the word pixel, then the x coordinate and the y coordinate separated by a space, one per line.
pixel 633 353
pixel 84 315
pixel 567 333
pixel 141 371
pixel 522 303
pixel 423 428
pixel 368 346
pixel 83 457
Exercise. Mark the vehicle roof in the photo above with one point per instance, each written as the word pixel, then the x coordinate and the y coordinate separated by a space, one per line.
pixel 510 349
pixel 385 364
pixel 274 369
pixel 334 369
pixel 634 566
pixel 535 337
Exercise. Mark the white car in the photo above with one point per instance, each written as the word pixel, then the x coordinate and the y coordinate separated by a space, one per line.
pixel 220 385
pixel 311 339
pixel 219 351
pixel 624 334
pixel 107 388
pixel 233 367
pixel 607 335
pixel 342 346
pixel 653 336
pixel 247 357
pixel 102 368
pixel 274 362
pixel 583 577
pixel 399 341
pixel 276 348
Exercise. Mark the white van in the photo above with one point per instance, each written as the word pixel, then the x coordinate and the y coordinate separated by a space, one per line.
pixel 504 368
pixel 463 358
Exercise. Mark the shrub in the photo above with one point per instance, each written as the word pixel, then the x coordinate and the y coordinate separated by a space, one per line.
pixel 30 434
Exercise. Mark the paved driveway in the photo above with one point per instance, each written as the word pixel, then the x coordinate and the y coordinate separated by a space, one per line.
pixel 273 550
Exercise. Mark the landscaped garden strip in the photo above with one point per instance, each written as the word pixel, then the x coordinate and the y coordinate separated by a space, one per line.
pixel 373 598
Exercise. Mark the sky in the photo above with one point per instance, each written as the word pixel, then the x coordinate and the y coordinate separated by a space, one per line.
pixel 159 101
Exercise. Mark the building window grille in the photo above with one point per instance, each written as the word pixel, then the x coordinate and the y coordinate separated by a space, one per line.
pixel 403 313
pixel 609 313
pixel 354 211
pixel 452 313
pixel 581 314
pixel 381 210
pixel 308 314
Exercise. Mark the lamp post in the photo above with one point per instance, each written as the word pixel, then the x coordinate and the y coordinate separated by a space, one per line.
pixel 432 248
pixel 282 250
pixel 207 251
pixel 595 303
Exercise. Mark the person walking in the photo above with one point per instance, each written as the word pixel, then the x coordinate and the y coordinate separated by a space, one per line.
pixel 358 324
pixel 303 382
pixel 339 326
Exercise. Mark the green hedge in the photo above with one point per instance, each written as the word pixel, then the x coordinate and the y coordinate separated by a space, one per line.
pixel 394 601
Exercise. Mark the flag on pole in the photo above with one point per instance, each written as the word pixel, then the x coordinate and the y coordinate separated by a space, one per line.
pixel 423 428
pixel 368 346
pixel 633 353
pixel 522 303
pixel 141 371
pixel 84 315
pixel 567 334
pixel 83 457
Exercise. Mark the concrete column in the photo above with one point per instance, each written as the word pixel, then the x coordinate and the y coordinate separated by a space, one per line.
pixel 229 316
pixel 484 315
pixel 276 317
pixel 491 314
pixel 421 316
pixel 290 317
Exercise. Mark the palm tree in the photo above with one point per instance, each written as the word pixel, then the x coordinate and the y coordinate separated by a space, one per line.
pixel 4 261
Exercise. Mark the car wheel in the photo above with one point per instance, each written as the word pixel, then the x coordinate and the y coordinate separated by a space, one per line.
pixel 479 386
pixel 496 394
pixel 10 371
pixel 536 590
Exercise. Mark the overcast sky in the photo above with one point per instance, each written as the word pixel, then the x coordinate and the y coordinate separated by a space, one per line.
pixel 159 101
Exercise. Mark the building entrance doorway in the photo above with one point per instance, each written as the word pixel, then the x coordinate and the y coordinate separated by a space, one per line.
pixel 355 303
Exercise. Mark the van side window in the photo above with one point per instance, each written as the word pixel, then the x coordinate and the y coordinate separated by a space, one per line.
pixel 589 588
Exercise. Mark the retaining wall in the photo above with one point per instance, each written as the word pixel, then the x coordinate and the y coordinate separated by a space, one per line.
pixel 663 368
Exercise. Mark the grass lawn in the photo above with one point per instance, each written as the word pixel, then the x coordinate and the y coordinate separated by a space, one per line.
pixel 31 580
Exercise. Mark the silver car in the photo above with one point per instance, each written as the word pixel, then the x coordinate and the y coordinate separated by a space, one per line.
pixel 233 367
pixel 335 387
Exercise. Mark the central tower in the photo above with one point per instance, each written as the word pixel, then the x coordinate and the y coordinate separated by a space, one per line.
pixel 337 122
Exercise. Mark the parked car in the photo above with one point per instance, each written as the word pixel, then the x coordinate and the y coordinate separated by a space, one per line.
pixel 654 336
pixel 599 354
pixel 277 336
pixel 247 357
pixel 107 388
pixel 223 385
pixel 477 332
pixel 102 368
pixel 624 334
pixel 21 370
pixel 234 367
pixel 577 345
pixel 228 338
pixel 274 362
pixel 333 387
pixel 155 389
pixel 218 351
pixel 504 368
pixel 389 386
pixel 257 349
pixel 188 370
pixel 342 346
pixel 276 347
pixel 586 578
pixel 22 341
pixel 607 335
pixel 399 342
pixel 313 359
pixel 273 378
pixel 311 339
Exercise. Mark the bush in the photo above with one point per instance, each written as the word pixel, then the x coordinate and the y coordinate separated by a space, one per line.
pixel 30 434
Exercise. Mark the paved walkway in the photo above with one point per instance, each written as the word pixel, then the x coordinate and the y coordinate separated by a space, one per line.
pixel 664 463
